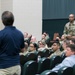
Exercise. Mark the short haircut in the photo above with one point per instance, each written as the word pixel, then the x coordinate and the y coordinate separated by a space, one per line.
pixel 7 18
pixel 35 45
pixel 67 42
pixel 73 40
pixel 72 47
pixel 57 42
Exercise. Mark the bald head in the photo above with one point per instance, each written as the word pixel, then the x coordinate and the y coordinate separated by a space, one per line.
pixel 71 17
pixel 33 39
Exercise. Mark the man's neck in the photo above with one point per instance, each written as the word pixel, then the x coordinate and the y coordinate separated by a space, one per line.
pixel 56 50
pixel 71 21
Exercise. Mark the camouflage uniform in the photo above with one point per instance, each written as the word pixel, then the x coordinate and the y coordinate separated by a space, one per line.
pixel 69 29
pixel 57 52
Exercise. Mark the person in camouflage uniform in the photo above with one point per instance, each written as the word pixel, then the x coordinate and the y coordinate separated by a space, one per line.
pixel 69 29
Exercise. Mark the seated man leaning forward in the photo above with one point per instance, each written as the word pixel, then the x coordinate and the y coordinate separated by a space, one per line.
pixel 69 61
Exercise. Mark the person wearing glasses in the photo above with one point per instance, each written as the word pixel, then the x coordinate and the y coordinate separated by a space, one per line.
pixel 32 47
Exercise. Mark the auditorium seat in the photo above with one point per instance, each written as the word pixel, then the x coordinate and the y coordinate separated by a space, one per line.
pixel 30 68
pixel 22 59
pixel 39 53
pixel 74 70
pixel 54 61
pixel 63 56
pixel 65 71
pixel 50 52
pixel 48 72
pixel 31 56
pixel 46 53
pixel 43 65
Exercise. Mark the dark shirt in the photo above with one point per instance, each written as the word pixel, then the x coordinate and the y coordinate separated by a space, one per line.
pixel 11 42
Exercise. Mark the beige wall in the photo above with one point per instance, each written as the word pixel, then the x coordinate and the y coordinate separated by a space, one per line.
pixel 6 5
pixel 28 15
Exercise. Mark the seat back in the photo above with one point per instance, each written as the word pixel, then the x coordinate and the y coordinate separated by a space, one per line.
pixel 63 56
pixel 46 53
pixel 74 70
pixel 40 53
pixel 50 52
pixel 54 61
pixel 22 62
pixel 30 68
pixel 43 65
pixel 22 59
pixel 48 72
pixel 65 71
pixel 31 56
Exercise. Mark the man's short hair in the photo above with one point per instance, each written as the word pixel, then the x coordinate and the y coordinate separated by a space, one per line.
pixel 7 18
pixel 67 42
pixel 57 42
pixel 35 45
pixel 72 47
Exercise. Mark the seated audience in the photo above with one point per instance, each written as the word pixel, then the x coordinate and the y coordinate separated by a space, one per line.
pixel 69 61
pixel 72 41
pixel 42 45
pixel 56 49
pixel 43 37
pixel 32 47
pixel 25 36
pixel 26 50
pixel 62 39
pixel 46 36
pixel 29 49
pixel 33 39
pixel 64 45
